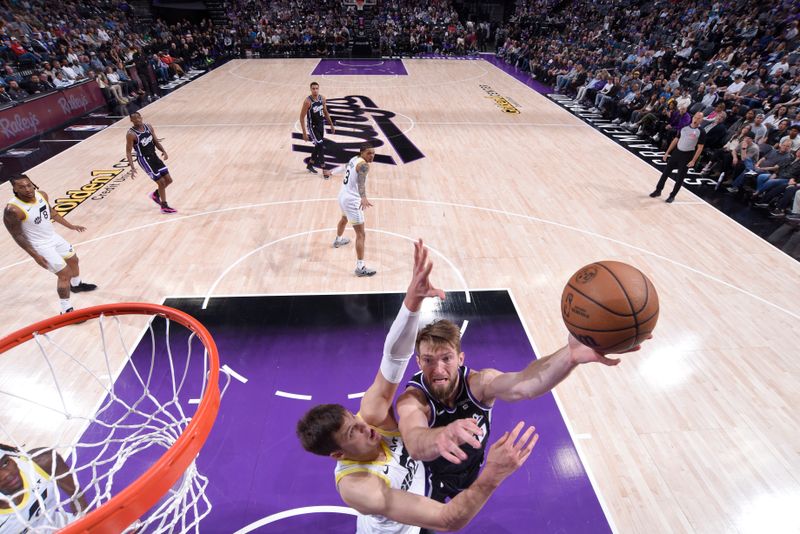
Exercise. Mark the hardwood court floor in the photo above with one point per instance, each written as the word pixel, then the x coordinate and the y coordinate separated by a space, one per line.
pixel 695 433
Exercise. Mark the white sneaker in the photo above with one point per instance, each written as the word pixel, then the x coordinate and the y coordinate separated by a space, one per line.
pixel 365 271
pixel 340 242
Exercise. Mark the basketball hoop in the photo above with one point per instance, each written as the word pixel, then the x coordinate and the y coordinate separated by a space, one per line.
pixel 130 423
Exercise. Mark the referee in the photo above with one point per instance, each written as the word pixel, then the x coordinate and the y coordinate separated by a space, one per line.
pixel 687 147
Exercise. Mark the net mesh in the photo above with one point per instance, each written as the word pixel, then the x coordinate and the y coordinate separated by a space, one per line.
pixel 83 420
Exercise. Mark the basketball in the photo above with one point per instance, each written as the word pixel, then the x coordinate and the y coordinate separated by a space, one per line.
pixel 609 306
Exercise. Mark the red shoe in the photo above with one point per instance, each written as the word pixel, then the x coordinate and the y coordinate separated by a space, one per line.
pixel 167 209
pixel 154 197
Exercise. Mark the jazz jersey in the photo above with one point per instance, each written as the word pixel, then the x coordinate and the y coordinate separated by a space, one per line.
pixel 39 506
pixel 398 471
pixel 350 181
pixel 37 226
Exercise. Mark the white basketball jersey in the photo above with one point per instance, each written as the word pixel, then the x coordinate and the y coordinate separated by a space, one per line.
pixel 40 494
pixel 350 182
pixel 398 471
pixel 37 226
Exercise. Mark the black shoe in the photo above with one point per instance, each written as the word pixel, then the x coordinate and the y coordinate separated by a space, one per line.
pixel 777 214
pixel 670 199
pixel 761 204
pixel 83 286
pixel 311 169
pixel 655 194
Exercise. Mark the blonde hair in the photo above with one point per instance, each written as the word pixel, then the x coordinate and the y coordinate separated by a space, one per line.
pixel 441 332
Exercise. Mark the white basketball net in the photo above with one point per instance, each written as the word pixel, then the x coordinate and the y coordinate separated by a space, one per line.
pixel 59 399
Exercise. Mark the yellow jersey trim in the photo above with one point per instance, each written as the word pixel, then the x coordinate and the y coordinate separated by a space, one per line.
pixel 26 495
pixel 342 474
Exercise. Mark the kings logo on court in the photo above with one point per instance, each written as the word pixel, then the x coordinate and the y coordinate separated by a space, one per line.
pixel 357 117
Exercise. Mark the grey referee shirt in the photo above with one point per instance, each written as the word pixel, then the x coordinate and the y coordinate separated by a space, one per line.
pixel 689 138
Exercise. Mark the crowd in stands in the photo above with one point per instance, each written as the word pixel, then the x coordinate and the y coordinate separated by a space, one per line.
pixel 649 69
pixel 328 27
pixel 47 45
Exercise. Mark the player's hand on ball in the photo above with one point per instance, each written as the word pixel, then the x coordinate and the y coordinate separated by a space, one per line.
pixel 460 431
pixel 580 353
pixel 508 453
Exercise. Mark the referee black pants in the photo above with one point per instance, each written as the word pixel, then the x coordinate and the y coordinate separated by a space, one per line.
pixel 677 160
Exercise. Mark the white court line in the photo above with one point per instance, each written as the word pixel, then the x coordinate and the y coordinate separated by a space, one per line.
pixel 464 326
pixel 233 374
pixel 356 395
pixel 295 512
pixel 363 65
pixel 61 140
pixel 309 232
pixel 296 124
pixel 298 396
pixel 242 62
pixel 456 205
pixel 592 480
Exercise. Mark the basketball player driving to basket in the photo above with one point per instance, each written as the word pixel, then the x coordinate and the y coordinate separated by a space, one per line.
pixel 374 472
pixel 445 411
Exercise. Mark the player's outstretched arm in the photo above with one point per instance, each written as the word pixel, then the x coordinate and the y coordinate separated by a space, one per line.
pixel 157 142
pixel 376 405
pixel 57 217
pixel 370 495
pixel 539 377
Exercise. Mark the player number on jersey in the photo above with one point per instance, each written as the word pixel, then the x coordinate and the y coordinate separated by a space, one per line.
pixel 347 176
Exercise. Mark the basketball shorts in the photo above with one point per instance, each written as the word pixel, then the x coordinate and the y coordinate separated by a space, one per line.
pixel 316 133
pixel 56 251
pixel 447 486
pixel 153 166
pixel 351 208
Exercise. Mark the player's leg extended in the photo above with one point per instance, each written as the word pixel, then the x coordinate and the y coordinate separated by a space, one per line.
pixel 62 287
pixel 340 239
pixel 360 238
pixel 341 226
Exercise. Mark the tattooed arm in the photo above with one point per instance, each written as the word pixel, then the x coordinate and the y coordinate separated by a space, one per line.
pixel 361 180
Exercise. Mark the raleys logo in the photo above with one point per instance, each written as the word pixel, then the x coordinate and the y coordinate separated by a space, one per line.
pixel 107 179
pixel 505 104
pixel 19 124
pixel 71 103
pixel 354 117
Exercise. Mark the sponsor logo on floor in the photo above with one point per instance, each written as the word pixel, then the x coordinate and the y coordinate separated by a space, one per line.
pixel 101 184
pixel 636 144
